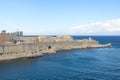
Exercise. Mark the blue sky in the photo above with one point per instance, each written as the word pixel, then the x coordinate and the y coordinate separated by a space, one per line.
pixel 61 17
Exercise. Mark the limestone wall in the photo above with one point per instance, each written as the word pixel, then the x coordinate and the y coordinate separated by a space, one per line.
pixel 19 50
pixel 27 39
pixel 12 51
pixel 54 39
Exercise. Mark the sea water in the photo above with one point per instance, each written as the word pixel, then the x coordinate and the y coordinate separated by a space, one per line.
pixel 80 64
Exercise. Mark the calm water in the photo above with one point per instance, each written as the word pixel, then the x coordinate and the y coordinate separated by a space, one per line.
pixel 84 64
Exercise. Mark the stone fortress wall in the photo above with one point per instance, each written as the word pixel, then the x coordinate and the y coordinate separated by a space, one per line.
pixel 44 44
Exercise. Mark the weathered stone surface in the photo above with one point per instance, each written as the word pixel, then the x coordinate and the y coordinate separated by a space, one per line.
pixel 39 48
pixel 54 39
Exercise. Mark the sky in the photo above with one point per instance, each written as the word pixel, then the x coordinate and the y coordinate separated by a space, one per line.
pixel 61 17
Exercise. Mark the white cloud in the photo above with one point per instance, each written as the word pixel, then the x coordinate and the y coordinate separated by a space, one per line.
pixel 110 27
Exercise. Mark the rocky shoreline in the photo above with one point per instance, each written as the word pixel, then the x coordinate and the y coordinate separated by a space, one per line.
pixel 40 48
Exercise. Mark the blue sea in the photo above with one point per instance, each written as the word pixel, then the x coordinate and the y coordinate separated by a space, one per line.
pixel 79 64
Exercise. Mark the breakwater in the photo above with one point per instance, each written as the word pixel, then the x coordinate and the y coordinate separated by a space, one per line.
pixel 39 48
pixel 115 43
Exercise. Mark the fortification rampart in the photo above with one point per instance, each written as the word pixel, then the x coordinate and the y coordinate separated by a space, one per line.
pixel 39 48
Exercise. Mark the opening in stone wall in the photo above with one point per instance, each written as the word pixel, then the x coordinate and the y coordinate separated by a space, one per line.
pixel 49 47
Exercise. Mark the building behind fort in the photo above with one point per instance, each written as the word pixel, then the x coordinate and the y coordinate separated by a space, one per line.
pixel 9 37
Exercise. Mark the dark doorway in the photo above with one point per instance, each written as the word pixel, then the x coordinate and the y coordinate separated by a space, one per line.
pixel 49 47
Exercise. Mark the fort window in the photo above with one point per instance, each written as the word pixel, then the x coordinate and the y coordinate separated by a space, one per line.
pixel 49 47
